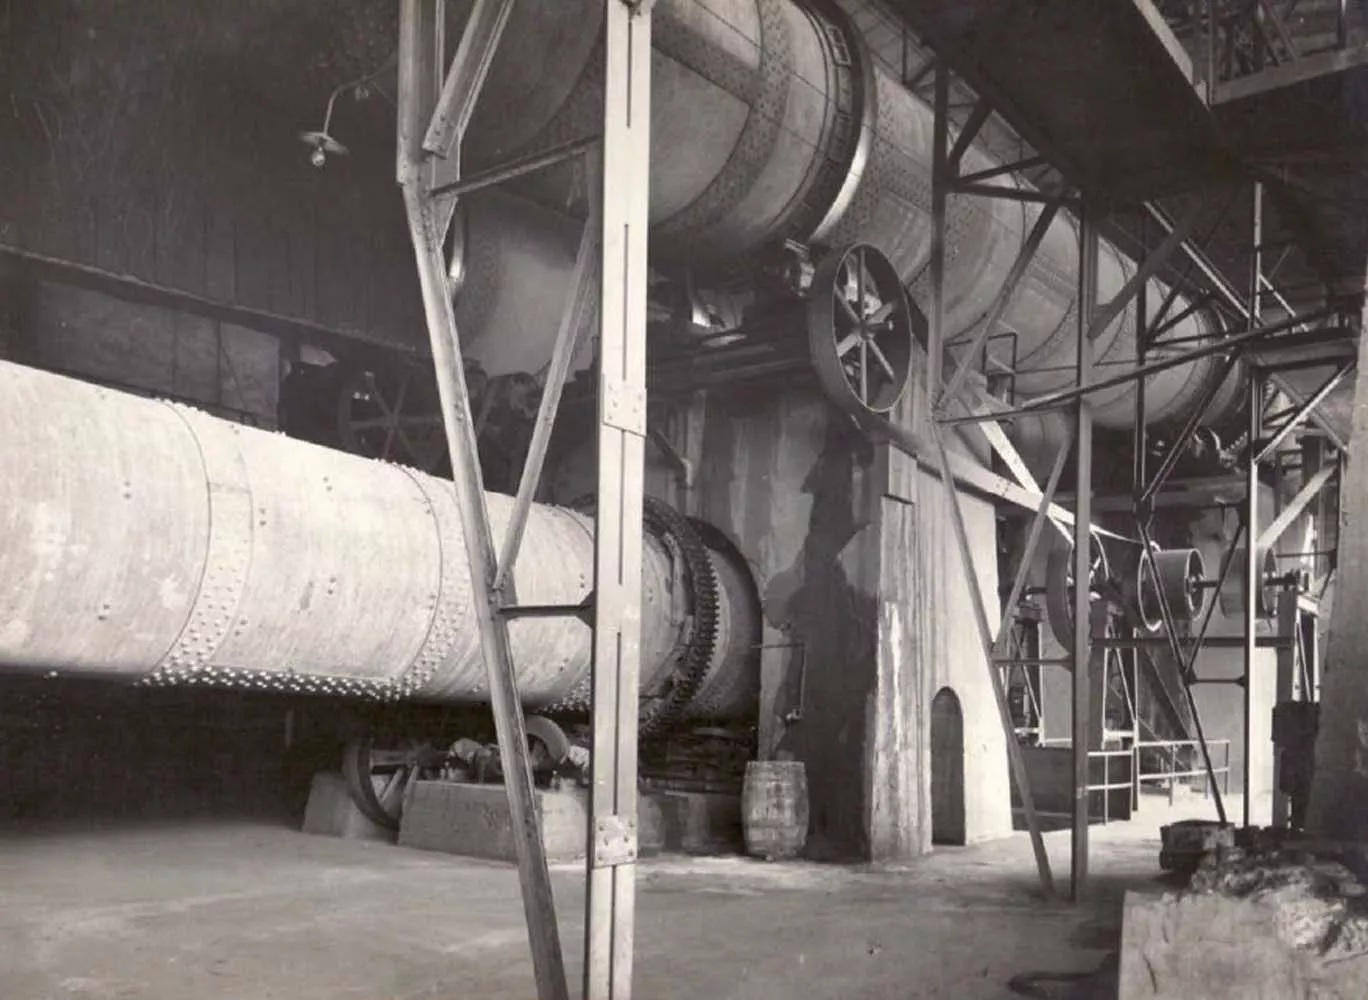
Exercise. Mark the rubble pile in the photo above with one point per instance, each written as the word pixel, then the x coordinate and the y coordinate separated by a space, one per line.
pixel 1320 904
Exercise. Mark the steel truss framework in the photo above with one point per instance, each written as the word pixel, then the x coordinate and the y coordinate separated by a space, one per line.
pixel 434 109
pixel 1249 47
pixel 1264 351
pixel 435 103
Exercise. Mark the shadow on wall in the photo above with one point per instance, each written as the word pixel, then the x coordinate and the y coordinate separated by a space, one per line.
pixel 947 769
pixel 826 600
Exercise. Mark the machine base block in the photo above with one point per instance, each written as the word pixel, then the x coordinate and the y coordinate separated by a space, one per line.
pixel 331 813
pixel 472 821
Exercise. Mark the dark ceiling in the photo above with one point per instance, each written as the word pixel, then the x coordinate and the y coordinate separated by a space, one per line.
pixel 257 72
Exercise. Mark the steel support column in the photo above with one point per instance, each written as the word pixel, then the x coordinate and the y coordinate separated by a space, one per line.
pixel 1004 298
pixel 1304 410
pixel 1289 624
pixel 1253 567
pixel 1082 604
pixel 1253 582
pixel 942 182
pixel 421 46
pixel 1247 339
pixel 1311 487
pixel 610 904
pixel 586 272
pixel 430 129
pixel 987 643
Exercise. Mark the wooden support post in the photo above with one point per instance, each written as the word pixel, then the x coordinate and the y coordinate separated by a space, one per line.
pixel 1082 604
pixel 610 905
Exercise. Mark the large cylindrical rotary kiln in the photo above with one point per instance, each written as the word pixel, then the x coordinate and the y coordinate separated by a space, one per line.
pixel 772 122
pixel 150 543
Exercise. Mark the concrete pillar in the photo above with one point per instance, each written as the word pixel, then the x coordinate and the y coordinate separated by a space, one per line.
pixel 1339 791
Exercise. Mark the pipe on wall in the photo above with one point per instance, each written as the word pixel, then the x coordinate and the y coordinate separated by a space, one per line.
pixel 771 120
pixel 148 542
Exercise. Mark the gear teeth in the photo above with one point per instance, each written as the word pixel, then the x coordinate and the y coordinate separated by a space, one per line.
pixel 691 668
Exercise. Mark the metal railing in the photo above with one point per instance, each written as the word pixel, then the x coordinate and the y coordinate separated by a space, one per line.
pixel 1108 786
pixel 1172 775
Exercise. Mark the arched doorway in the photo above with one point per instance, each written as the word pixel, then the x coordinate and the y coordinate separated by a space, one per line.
pixel 947 769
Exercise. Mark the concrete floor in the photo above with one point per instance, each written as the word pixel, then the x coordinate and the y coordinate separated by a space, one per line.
pixel 225 911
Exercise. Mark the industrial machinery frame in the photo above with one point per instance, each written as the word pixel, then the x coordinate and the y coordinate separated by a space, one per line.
pixel 1259 352
pixel 435 105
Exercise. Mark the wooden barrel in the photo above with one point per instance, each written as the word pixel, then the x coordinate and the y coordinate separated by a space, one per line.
pixel 774 808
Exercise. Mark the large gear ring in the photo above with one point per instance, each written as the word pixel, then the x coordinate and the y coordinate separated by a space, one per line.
pixel 695 650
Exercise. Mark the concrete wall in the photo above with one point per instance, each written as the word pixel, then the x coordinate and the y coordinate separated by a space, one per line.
pixel 140 160
pixel 228 370
pixel 931 641
pixel 144 166
pixel 866 614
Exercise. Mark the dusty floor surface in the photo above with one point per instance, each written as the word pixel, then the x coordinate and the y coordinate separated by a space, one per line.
pixel 223 911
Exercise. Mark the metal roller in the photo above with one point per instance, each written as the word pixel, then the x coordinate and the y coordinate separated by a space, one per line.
pixel 148 542
pixel 772 120
pixel 1180 575
pixel 1059 585
pixel 1232 595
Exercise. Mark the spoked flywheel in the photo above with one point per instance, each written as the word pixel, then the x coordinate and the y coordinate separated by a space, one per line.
pixel 378 777
pixel 393 415
pixel 861 330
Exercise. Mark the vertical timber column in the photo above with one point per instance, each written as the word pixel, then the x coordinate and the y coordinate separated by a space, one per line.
pixel 421 56
pixel 1338 809
pixel 1082 569
pixel 610 903
pixel 1253 567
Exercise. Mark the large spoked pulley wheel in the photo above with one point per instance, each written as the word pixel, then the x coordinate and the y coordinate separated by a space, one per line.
pixel 861 330
pixel 1059 585
pixel 393 415
pixel 377 777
